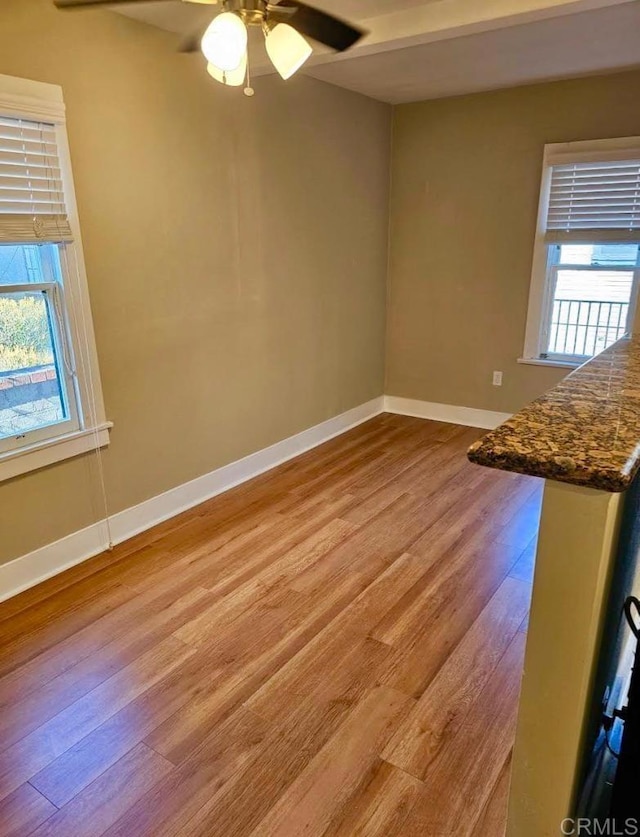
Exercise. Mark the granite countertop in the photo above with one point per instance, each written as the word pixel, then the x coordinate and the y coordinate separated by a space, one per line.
pixel 585 431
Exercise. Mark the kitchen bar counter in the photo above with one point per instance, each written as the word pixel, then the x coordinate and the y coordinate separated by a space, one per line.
pixel 585 431
pixel 583 438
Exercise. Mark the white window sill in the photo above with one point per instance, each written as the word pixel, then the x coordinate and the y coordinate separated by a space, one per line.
pixel 559 364
pixel 41 454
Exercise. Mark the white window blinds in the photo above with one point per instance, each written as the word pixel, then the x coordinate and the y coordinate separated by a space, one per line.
pixel 32 203
pixel 594 201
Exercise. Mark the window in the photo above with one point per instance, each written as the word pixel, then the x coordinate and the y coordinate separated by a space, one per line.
pixel 50 401
pixel 37 390
pixel 587 255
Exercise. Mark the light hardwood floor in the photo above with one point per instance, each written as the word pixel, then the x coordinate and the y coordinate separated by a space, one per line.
pixel 332 649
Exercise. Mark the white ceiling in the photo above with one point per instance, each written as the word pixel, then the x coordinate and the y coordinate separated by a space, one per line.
pixel 174 15
pixel 591 42
pixel 422 49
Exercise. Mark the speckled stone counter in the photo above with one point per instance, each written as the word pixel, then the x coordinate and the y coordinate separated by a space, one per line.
pixel 585 431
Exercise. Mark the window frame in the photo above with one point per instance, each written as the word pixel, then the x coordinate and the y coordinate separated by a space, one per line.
pixel 88 428
pixel 53 294
pixel 540 295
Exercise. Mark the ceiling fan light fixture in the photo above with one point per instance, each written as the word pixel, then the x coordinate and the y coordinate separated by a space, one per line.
pixel 287 49
pixel 224 44
pixel 232 78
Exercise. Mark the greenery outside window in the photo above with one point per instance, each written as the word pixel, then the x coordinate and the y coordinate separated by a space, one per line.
pixel 37 373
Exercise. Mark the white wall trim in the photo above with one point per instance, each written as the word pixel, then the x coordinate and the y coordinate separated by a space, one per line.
pixel 43 563
pixel 469 416
pixel 50 451
pixel 28 99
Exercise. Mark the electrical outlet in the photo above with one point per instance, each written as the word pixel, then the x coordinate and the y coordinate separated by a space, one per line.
pixel 497 379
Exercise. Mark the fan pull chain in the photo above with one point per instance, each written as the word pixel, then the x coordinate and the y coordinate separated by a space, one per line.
pixel 248 90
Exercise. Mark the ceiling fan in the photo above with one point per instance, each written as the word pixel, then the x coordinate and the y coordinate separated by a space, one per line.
pixel 284 23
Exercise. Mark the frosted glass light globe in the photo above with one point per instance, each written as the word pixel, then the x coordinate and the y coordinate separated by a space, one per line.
pixel 224 44
pixel 287 49
pixel 233 78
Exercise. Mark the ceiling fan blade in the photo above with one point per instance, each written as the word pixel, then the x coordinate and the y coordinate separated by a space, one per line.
pixel 316 24
pixel 85 4
pixel 79 4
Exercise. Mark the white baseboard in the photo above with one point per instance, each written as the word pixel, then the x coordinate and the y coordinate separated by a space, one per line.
pixel 37 566
pixel 469 416
pixel 43 563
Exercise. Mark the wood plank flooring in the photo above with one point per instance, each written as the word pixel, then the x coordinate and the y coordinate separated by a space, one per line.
pixel 332 649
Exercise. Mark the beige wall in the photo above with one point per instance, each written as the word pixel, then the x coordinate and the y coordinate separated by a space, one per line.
pixel 466 176
pixel 236 252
